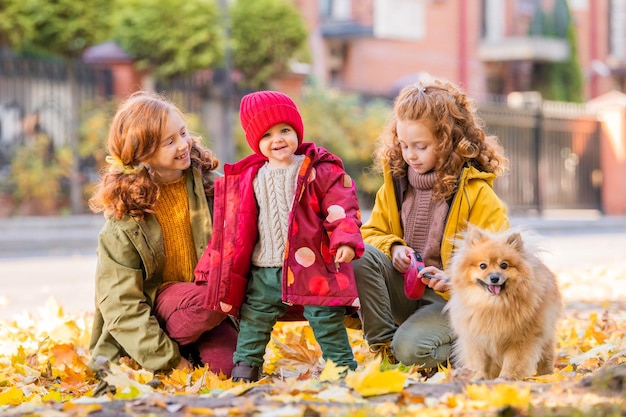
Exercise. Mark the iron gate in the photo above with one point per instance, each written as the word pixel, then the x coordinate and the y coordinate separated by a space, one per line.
pixel 554 152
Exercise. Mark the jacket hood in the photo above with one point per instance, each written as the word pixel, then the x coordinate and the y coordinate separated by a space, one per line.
pixel 472 173
pixel 310 149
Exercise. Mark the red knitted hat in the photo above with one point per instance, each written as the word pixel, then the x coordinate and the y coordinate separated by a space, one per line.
pixel 261 110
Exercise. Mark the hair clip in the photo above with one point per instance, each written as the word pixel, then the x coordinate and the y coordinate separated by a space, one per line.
pixel 422 89
pixel 118 166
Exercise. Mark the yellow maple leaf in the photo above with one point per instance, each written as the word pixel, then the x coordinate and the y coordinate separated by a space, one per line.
pixel 63 354
pixel 122 378
pixel 372 381
pixel 293 349
pixel 179 377
pixel 12 396
pixel 338 394
pixel 332 372
pixel 127 393
pixel 200 411
pixel 55 396
pixel 590 359
pixel 81 409
pixel 501 395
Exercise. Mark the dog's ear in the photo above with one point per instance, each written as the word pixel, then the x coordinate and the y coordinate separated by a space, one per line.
pixel 474 235
pixel 515 240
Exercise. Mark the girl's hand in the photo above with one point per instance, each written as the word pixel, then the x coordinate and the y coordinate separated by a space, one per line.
pixel 440 282
pixel 184 364
pixel 401 257
pixel 345 253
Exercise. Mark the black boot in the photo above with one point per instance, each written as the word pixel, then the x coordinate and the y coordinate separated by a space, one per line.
pixel 244 372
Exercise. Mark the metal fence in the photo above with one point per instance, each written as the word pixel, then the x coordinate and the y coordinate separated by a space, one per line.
pixel 35 98
pixel 554 150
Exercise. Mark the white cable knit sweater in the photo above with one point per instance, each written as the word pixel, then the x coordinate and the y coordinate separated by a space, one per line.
pixel 274 191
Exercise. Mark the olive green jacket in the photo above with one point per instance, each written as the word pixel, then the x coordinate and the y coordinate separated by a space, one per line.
pixel 128 275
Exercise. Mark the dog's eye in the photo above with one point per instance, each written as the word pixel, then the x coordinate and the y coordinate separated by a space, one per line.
pixel 504 265
pixel 483 266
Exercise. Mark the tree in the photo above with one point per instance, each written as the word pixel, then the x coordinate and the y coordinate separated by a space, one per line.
pixel 15 25
pixel 65 28
pixel 169 37
pixel 558 80
pixel 349 127
pixel 267 34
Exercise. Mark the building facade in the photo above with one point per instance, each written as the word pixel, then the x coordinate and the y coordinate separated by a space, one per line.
pixel 375 47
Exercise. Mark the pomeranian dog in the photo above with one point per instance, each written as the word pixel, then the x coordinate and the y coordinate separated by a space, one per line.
pixel 504 305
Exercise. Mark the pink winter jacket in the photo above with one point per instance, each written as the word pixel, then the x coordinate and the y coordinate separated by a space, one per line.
pixel 325 215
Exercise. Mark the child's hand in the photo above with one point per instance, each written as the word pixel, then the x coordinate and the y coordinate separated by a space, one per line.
pixel 401 257
pixel 184 364
pixel 438 282
pixel 345 253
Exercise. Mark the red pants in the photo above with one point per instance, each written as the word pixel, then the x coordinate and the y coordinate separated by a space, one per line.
pixel 179 308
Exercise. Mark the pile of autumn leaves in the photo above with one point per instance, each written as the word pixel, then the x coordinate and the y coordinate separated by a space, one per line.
pixel 43 360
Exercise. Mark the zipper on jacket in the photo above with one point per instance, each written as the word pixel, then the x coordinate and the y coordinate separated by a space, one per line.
pixel 216 301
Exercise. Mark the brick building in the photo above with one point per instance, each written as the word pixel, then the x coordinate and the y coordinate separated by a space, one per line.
pixel 377 46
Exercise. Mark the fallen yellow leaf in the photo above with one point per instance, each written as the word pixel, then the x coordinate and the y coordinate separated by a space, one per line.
pixel 372 381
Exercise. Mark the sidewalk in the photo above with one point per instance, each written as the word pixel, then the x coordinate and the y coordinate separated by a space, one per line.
pixel 55 257
pixel 49 236
pixel 72 235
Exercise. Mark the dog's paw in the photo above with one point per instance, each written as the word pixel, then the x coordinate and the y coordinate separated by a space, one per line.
pixel 463 374
pixel 507 378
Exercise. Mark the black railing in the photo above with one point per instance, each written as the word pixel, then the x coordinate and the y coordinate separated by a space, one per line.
pixel 554 150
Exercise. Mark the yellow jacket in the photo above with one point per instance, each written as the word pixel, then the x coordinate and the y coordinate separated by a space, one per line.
pixel 475 202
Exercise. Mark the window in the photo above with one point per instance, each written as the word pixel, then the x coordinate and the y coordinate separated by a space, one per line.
pixel 493 19
pixel 336 9
pixel 526 7
pixel 400 19
pixel 617 29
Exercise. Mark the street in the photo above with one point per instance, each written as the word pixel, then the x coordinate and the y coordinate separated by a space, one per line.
pixel 42 259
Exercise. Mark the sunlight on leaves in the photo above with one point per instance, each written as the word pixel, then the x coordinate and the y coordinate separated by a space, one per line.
pixel 500 395
pixel 332 372
pixel 44 356
pixel 372 381
pixel 12 396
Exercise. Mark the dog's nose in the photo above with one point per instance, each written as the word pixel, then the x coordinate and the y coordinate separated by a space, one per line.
pixel 494 278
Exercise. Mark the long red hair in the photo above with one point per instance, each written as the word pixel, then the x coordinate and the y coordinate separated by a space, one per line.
pixel 134 137
pixel 454 122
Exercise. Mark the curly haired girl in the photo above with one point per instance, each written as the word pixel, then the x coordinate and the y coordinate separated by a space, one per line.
pixel 438 167
pixel 157 198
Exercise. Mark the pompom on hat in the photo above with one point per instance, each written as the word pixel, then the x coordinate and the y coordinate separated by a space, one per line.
pixel 261 110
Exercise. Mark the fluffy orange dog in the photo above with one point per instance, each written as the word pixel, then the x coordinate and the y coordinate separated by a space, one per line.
pixel 504 306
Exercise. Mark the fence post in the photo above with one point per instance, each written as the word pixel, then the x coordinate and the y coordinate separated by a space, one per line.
pixel 537 142
pixel 76 195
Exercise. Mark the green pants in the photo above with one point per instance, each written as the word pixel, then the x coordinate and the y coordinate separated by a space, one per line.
pixel 419 330
pixel 262 308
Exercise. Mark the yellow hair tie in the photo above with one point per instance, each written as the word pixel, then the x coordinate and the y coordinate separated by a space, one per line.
pixel 118 165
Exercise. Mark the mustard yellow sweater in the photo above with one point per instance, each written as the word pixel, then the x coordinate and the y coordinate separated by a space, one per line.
pixel 172 212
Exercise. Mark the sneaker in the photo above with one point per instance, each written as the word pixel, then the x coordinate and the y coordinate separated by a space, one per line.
pixel 385 351
pixel 245 373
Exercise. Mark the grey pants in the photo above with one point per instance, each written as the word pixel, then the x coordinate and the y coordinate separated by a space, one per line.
pixel 263 307
pixel 419 331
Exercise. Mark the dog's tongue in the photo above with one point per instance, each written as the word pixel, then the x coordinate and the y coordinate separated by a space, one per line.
pixel 494 289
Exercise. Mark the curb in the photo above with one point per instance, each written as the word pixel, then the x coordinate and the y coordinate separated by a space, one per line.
pixel 47 236
pixel 68 235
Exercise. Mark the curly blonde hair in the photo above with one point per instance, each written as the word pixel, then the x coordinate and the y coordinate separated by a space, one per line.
pixel 453 119
pixel 126 187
